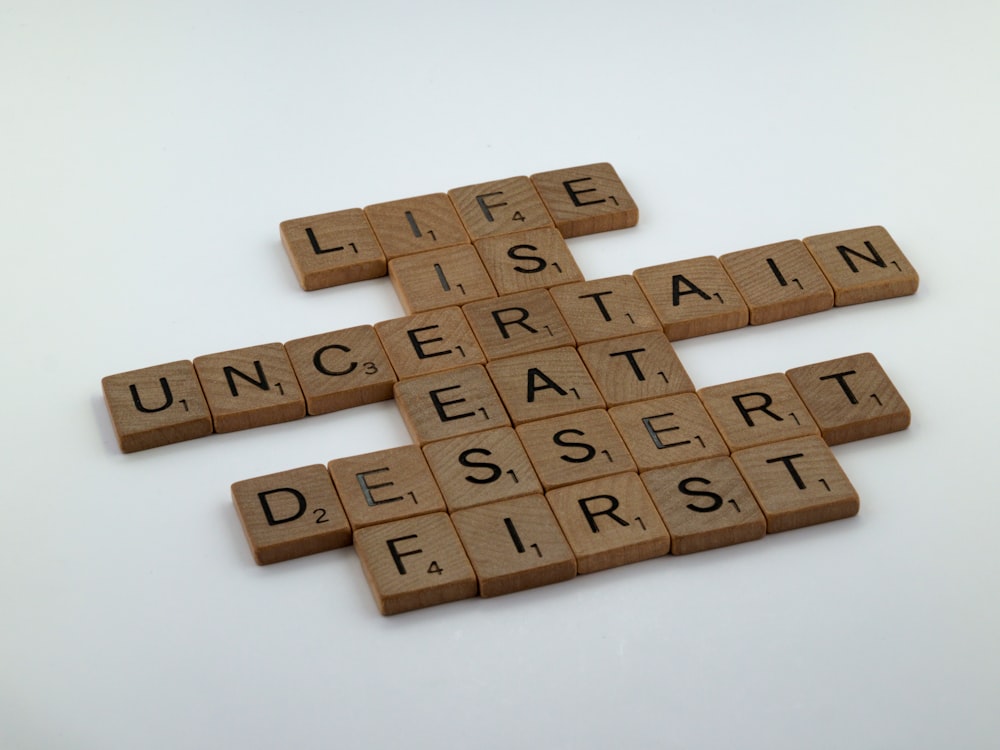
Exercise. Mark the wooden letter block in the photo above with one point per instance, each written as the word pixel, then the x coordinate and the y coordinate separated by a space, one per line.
pixel 544 384
pixel 515 545
pixel 482 467
pixel 341 369
pixel 414 563
pixel 331 249
pixel 413 225
pixel 850 398
pixel 863 265
pixel 440 278
pixel 447 404
pixel 778 281
pixel 797 483
pixel 500 207
pixel 586 199
pixel 575 447
pixel 764 409
pixel 291 514
pixel 535 259
pixel 427 342
pixel 705 504
pixel 693 297
pixel 605 308
pixel 385 486
pixel 636 368
pixel 156 406
pixel 518 324
pixel 609 522
pixel 250 387
pixel 668 431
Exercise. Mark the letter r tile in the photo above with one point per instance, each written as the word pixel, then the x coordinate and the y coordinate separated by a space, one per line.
pixel 291 514
pixel 156 406
pixel 586 199
pixel 416 562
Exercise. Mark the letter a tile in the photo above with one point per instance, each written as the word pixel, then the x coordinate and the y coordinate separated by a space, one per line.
pixel 414 563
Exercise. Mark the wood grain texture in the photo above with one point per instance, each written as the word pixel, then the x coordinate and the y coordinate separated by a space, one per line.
pixel 636 368
pixel 863 265
pixel 851 398
pixel 575 447
pixel 668 430
pixel 518 324
pixel 753 411
pixel 414 563
pixel 332 248
pixel 341 369
pixel 427 342
pixel 797 483
pixel 515 545
pixel 543 384
pixel 586 199
pixel 452 276
pixel 693 297
pixel 413 225
pixel 385 485
pixel 447 404
pixel 250 387
pixel 291 514
pixel 481 467
pixel 500 207
pixel 778 281
pixel 156 406
pixel 705 504
pixel 605 308
pixel 609 522
pixel 534 259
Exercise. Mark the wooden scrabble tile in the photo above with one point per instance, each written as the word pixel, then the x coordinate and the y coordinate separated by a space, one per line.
pixel 428 342
pixel 543 384
pixel 636 368
pixel 518 324
pixel 863 265
pixel 693 297
pixel 414 563
pixel 385 486
pixel 605 308
pixel 534 259
pixel 291 514
pixel 413 225
pixel 850 398
pixel 156 406
pixel 447 404
pixel 341 369
pixel 609 522
pixel 500 207
pixel 515 545
pixel 440 278
pixel 334 248
pixel 668 430
pixel 481 467
pixel 705 504
pixel 575 447
pixel 797 483
pixel 778 281
pixel 250 387
pixel 764 409
pixel 586 199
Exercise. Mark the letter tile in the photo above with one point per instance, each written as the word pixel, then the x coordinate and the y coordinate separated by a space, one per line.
pixel 543 384
pixel 291 514
pixel 440 278
pixel 427 342
pixel 413 225
pixel 518 324
pixel 534 259
pixel 500 207
pixel 605 308
pixel 636 368
pixel 413 563
pixel 334 248
pixel 586 199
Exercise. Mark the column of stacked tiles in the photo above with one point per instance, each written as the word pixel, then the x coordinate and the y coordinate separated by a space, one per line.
pixel 555 430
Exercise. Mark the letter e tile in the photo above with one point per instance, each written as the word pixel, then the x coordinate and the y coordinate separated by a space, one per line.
pixel 291 514
pixel 413 563
pixel 427 342
pixel 586 199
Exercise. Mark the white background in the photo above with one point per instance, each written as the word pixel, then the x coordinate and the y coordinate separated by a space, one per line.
pixel 148 153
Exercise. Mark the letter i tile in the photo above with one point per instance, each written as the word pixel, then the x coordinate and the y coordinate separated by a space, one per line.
pixel 413 563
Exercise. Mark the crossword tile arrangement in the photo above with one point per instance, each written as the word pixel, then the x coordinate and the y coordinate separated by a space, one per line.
pixel 555 430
